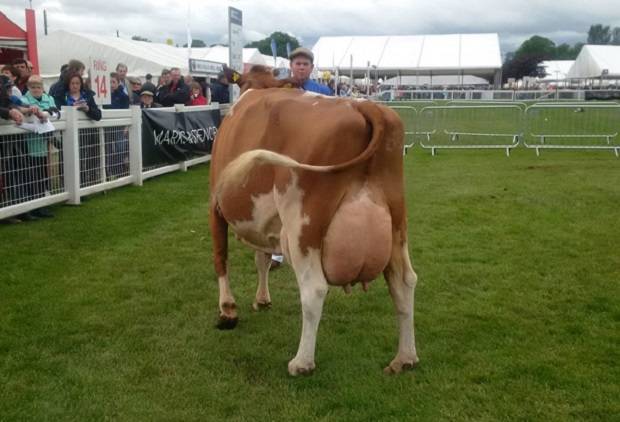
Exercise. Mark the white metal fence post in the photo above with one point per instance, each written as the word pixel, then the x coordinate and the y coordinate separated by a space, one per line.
pixel 71 155
pixel 135 145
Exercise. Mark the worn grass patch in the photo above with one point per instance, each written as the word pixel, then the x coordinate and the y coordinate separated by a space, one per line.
pixel 108 310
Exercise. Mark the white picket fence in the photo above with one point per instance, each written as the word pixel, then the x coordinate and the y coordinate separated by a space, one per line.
pixel 81 157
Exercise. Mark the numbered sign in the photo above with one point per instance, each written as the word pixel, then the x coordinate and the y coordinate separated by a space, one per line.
pixel 100 80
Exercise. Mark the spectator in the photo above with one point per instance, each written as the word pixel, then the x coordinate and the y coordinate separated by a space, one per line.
pixel 176 92
pixel 24 73
pixel 13 165
pixel 149 85
pixel 147 101
pixel 116 140
pixel 196 97
pixel 13 75
pixel 121 69
pixel 188 79
pixel 43 106
pixel 58 88
pixel 76 95
pixel 219 90
pixel 118 97
pixel 302 63
pixel 136 88
pixel 164 80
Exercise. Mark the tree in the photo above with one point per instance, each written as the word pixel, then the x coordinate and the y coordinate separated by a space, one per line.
pixel 537 46
pixel 264 45
pixel 139 38
pixel 615 36
pixel 599 34
pixel 196 44
pixel 525 61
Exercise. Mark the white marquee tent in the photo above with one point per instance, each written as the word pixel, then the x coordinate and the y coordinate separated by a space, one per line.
pixel 556 70
pixel 454 54
pixel 596 61
pixel 140 57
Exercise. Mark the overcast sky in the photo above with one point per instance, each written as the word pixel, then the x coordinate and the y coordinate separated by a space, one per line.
pixel 561 21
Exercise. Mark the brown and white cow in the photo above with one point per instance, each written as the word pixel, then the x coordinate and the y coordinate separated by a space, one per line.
pixel 319 179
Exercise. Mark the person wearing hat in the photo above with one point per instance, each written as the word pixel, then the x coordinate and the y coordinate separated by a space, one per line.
pixel 147 101
pixel 149 85
pixel 302 64
pixel 219 90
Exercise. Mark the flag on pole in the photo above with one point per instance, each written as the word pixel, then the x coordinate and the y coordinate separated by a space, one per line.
pixel 189 34
pixel 288 49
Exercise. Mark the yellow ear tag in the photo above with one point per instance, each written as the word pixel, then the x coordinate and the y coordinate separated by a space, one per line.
pixel 236 77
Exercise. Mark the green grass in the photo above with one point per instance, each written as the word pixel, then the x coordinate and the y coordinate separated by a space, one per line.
pixel 108 310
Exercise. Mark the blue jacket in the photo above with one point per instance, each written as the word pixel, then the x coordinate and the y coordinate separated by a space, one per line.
pixel 118 99
pixel 313 86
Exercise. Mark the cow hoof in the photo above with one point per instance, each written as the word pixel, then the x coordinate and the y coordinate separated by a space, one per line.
pixel 398 366
pixel 225 323
pixel 297 367
pixel 261 306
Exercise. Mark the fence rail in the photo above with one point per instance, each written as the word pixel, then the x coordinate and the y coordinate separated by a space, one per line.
pixel 80 157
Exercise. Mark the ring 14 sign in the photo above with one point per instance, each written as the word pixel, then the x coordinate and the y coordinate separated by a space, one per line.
pixel 99 76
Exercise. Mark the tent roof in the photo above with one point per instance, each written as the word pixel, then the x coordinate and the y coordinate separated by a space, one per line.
pixel 477 54
pixel 443 80
pixel 140 57
pixel 556 70
pixel 11 35
pixel 594 59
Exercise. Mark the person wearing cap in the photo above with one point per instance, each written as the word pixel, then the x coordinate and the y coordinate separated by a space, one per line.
pixel 219 90
pixel 302 64
pixel 147 99
pixel 149 85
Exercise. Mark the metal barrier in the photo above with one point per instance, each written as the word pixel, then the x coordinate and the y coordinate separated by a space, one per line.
pixel 573 126
pixel 80 157
pixel 457 126
pixel 408 116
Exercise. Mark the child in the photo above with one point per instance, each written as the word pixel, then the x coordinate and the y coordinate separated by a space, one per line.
pixel 42 106
pixel 196 97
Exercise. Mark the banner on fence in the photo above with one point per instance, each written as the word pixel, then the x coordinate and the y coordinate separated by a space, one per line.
pixel 171 137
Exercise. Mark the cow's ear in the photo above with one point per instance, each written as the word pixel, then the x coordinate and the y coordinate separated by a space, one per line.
pixel 231 75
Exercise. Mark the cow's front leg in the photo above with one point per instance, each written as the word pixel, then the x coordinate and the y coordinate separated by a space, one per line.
pixel 263 262
pixel 401 281
pixel 312 291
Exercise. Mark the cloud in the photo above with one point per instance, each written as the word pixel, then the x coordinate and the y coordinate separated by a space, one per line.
pixel 158 20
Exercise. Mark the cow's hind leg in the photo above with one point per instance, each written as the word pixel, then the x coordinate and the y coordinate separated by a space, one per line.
pixel 312 292
pixel 219 230
pixel 263 262
pixel 401 281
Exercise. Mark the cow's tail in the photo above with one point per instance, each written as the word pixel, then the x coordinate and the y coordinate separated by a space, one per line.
pixel 237 170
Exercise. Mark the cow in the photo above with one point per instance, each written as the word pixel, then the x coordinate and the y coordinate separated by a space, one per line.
pixel 320 180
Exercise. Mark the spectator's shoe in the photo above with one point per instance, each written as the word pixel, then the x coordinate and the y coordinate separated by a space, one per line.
pixel 275 265
pixel 27 216
pixel 42 213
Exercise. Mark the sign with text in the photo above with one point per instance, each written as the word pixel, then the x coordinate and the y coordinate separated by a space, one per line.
pixel 204 67
pixel 171 137
pixel 99 76
pixel 235 49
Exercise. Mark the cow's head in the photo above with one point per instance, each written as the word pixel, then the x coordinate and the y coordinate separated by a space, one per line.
pixel 259 77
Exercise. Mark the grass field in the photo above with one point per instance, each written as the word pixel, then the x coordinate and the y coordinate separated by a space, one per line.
pixel 108 310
